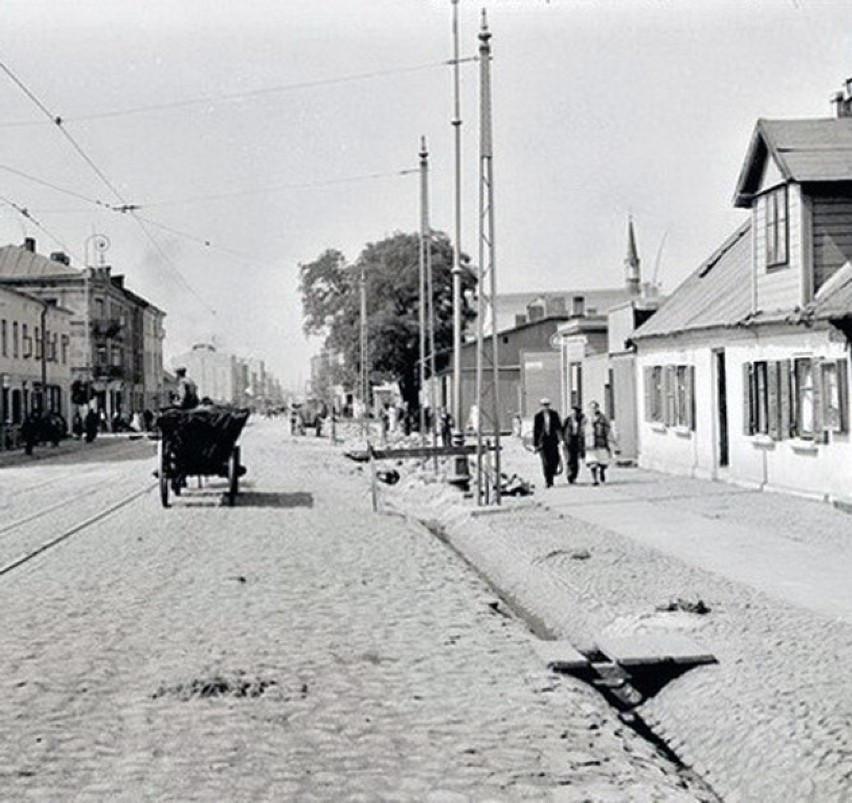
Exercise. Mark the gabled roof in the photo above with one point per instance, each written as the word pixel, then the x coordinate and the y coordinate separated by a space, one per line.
pixel 18 262
pixel 834 300
pixel 804 150
pixel 718 293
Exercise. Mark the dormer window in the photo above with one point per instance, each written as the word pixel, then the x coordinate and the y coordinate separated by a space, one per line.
pixel 776 228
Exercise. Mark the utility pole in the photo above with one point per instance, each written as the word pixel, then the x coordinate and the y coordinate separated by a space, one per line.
pixel 456 270
pixel 487 398
pixel 424 224
pixel 365 377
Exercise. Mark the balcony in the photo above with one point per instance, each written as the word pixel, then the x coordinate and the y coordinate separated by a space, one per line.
pixel 107 328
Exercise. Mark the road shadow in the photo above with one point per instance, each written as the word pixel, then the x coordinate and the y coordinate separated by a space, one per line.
pixel 280 500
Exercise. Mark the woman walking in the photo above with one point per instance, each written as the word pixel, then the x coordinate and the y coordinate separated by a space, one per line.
pixel 599 443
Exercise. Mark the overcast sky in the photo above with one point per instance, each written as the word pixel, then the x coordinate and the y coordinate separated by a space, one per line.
pixel 601 110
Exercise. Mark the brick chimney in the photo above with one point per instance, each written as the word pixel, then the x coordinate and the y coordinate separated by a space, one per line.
pixel 30 244
pixel 843 100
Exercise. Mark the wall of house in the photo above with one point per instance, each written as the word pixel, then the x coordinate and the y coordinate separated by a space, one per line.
pixel 539 379
pixel 625 422
pixel 780 287
pixel 832 232
pixel 790 464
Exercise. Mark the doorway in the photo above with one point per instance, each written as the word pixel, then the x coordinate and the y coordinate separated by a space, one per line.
pixel 722 408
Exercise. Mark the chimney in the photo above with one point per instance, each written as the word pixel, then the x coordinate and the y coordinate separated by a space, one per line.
pixel 843 100
pixel 631 263
pixel 61 257
pixel 520 320
pixel 30 244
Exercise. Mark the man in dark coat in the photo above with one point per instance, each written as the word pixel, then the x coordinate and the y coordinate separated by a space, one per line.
pixel 547 435
pixel 574 434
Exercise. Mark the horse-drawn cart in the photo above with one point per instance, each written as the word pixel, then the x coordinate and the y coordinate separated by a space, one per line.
pixel 200 442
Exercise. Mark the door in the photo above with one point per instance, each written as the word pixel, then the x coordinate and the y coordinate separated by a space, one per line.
pixel 722 408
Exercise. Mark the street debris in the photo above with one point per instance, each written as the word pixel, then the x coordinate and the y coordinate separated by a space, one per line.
pixel 687 606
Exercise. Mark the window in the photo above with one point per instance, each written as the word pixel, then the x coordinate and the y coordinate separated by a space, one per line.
pixel 38 344
pixel 776 227
pixel 99 308
pixel 578 306
pixel 15 349
pixel 683 396
pixel 3 338
pixel 65 343
pixel 804 397
pixel 670 395
pixel 835 416
pixel 26 342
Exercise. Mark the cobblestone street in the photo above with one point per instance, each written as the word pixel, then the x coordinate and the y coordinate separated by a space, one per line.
pixel 294 647
pixel 771 721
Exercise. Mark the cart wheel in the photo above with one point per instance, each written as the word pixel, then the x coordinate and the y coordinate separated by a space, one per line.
pixel 161 473
pixel 233 476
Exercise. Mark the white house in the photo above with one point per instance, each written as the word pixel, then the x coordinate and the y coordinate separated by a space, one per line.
pixel 744 371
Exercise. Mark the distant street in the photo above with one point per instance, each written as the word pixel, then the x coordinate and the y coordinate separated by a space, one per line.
pixel 296 646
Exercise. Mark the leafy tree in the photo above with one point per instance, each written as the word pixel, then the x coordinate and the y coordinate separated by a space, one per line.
pixel 331 306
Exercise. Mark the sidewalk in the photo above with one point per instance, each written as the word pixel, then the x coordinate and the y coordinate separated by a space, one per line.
pixel 772 721
pixel 68 446
pixel 798 551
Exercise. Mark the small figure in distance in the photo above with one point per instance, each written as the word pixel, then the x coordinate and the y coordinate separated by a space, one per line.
pixel 599 443
pixel 573 435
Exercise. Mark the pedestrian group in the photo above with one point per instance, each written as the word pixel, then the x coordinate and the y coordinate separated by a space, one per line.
pixel 581 438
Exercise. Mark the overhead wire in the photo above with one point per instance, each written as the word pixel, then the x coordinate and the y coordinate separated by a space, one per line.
pixel 128 207
pixel 230 96
pixel 24 212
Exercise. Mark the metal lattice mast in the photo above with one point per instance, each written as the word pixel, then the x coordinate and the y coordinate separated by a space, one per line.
pixel 424 172
pixel 456 401
pixel 487 365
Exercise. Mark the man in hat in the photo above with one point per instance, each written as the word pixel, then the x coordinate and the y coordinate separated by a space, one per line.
pixel 187 392
pixel 547 435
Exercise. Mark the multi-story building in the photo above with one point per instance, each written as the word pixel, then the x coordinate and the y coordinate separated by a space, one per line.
pixel 116 336
pixel 35 360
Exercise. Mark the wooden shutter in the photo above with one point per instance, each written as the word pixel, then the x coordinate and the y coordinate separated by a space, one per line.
pixel 818 382
pixel 785 399
pixel 648 373
pixel 690 396
pixel 669 379
pixel 843 394
pixel 772 403
pixel 748 407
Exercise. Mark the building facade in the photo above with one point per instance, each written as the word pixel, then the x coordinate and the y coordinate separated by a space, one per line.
pixel 744 371
pixel 116 336
pixel 35 361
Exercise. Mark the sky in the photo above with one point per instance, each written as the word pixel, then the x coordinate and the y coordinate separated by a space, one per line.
pixel 253 136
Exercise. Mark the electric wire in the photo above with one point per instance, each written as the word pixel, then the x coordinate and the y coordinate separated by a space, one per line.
pixel 125 205
pixel 25 213
pixel 231 96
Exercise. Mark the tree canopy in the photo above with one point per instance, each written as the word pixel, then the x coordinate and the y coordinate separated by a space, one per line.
pixel 331 306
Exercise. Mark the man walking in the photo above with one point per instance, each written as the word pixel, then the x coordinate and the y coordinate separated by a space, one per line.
pixel 573 434
pixel 547 435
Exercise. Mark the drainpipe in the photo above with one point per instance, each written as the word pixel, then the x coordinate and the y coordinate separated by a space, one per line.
pixel 44 309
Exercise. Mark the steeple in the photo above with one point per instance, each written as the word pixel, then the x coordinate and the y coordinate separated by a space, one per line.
pixel 631 263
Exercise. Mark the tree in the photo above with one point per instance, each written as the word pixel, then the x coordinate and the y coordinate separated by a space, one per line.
pixel 331 305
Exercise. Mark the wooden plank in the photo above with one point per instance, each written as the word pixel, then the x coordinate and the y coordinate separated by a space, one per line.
pixel 425 451
pixel 653 648
pixel 560 655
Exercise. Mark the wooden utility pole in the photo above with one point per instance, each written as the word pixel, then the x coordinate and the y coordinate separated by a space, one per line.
pixel 424 223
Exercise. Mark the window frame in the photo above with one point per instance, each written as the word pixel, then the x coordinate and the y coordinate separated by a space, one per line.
pixel 777 228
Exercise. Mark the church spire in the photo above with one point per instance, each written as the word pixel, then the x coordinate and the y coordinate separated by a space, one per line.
pixel 631 263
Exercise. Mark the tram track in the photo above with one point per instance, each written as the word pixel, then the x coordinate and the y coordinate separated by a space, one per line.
pixel 67 533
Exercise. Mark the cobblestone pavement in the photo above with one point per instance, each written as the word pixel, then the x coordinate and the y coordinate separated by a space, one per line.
pixel 294 647
pixel 772 721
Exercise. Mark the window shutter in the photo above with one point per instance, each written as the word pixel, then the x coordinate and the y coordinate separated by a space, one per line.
pixel 785 406
pixel 648 372
pixel 748 422
pixel 843 394
pixel 772 405
pixel 690 396
pixel 820 435
pixel 668 394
